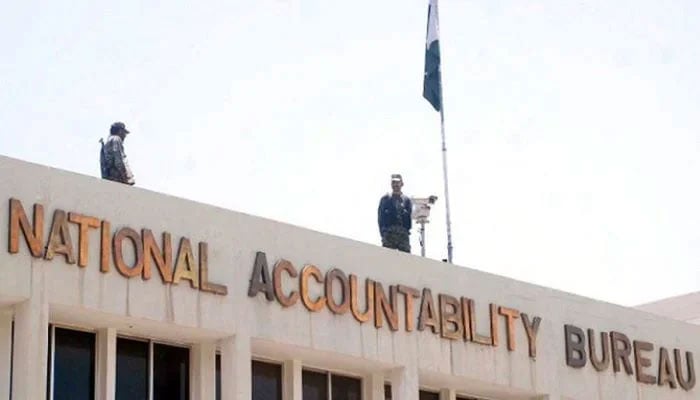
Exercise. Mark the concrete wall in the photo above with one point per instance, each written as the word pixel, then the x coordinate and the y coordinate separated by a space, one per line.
pixel 683 308
pixel 36 292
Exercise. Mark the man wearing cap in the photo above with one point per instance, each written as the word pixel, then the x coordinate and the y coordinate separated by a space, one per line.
pixel 114 164
pixel 395 217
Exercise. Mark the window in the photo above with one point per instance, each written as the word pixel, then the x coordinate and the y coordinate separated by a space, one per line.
pixel 132 369
pixel 171 372
pixel 142 363
pixel 325 386
pixel 424 395
pixel 387 392
pixel 267 381
pixel 314 385
pixel 12 354
pixel 218 376
pixel 72 364
pixel 345 388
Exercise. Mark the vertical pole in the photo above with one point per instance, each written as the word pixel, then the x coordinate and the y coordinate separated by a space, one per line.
pixel 31 345
pixel 5 352
pixel 203 371
pixel 373 387
pixel 422 239
pixel 447 394
pixel 291 380
pixel 405 383
pixel 236 368
pixel 444 156
pixel 444 172
pixel 106 363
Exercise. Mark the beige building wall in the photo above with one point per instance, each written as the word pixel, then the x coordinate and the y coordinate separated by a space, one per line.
pixel 35 292
pixel 683 308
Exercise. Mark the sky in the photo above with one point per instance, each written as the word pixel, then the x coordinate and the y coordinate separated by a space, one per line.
pixel 572 127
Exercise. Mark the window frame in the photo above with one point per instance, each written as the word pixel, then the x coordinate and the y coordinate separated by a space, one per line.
pixel 270 361
pixel 277 363
pixel 151 366
pixel 329 383
pixel 149 360
pixel 96 358
pixel 51 362
pixel 429 391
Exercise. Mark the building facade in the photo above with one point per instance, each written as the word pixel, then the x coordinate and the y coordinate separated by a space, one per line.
pixel 113 292
pixel 683 308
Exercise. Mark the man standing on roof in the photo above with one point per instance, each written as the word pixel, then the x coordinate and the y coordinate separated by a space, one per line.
pixel 395 217
pixel 113 162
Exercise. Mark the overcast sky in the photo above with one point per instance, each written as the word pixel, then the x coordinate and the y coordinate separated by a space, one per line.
pixel 573 127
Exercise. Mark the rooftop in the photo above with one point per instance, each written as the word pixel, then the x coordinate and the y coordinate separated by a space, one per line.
pixel 684 308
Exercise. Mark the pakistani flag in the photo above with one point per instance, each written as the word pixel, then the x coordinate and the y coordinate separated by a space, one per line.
pixel 432 83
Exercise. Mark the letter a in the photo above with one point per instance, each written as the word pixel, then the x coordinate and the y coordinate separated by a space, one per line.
pixel 260 279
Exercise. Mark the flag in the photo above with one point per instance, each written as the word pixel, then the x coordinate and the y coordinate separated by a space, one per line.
pixel 432 83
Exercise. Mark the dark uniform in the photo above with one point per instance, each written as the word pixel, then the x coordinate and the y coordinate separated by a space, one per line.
pixel 395 221
pixel 113 162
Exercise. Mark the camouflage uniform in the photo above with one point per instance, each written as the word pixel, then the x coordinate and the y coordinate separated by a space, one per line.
pixel 395 222
pixel 116 166
pixel 397 237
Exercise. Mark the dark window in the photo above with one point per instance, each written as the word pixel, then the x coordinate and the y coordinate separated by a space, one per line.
pixel 171 373
pixel 387 392
pixel 132 370
pixel 73 365
pixel 50 367
pixel 345 388
pixel 218 377
pixel 267 381
pixel 12 353
pixel 314 385
pixel 423 395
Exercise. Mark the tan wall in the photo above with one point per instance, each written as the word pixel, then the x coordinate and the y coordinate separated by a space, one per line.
pixel 89 298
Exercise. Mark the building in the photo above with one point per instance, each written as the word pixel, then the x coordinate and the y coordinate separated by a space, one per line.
pixel 683 308
pixel 113 292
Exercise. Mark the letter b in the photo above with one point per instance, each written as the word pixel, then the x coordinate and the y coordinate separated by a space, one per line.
pixel 575 346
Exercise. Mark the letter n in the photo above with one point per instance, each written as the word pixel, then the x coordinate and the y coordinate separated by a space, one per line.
pixel 33 235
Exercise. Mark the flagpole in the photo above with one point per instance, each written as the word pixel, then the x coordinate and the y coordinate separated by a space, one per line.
pixel 432 57
pixel 444 172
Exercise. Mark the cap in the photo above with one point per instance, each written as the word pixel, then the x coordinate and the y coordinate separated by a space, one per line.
pixel 396 178
pixel 118 127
